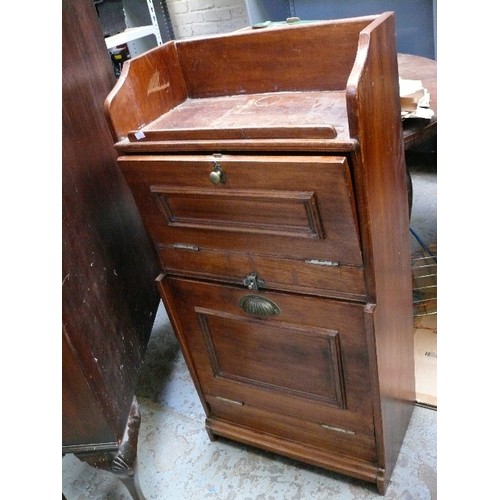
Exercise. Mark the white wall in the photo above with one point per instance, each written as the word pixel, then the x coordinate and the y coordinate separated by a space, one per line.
pixel 192 18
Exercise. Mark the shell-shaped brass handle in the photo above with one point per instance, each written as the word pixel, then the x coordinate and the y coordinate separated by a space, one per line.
pixel 259 306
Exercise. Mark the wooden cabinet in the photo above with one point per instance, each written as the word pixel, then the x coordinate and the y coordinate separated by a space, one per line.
pixel 268 168
pixel 109 299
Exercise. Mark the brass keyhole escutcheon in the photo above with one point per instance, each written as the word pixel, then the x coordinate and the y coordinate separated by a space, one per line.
pixel 217 175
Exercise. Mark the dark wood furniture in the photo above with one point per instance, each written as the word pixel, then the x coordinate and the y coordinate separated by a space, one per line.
pixel 268 167
pixel 419 134
pixel 109 300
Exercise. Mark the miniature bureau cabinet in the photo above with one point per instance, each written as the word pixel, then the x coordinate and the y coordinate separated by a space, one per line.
pixel 268 167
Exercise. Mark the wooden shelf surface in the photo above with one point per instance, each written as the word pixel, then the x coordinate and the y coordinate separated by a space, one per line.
pixel 273 115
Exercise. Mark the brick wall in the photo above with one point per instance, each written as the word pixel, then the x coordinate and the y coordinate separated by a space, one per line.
pixel 192 18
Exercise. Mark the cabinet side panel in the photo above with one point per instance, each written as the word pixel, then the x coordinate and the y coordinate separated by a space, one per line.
pixel 109 298
pixel 149 85
pixel 374 119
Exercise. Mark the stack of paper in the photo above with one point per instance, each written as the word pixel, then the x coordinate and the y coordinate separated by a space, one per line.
pixel 415 99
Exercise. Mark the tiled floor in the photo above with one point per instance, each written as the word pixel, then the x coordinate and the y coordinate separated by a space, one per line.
pixel 177 461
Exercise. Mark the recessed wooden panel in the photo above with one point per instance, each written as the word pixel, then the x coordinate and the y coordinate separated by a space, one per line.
pixel 302 362
pixel 310 358
pixel 286 206
pixel 289 213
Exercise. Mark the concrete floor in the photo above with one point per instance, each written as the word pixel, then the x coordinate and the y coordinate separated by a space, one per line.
pixel 423 222
pixel 176 460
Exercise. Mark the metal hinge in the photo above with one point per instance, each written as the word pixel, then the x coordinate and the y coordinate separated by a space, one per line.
pixel 338 429
pixel 231 401
pixel 317 262
pixel 186 246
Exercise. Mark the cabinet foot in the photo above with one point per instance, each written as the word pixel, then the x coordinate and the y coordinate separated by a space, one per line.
pixel 121 461
pixel 211 435
pixel 133 486
pixel 124 463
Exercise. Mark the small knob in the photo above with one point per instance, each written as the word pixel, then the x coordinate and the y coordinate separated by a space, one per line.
pixel 217 175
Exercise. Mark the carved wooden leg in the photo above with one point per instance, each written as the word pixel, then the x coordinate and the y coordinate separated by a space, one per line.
pixel 121 461
pixel 124 463
pixel 133 487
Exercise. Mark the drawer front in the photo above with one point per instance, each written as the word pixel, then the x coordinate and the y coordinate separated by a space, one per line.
pixel 297 209
pixel 290 355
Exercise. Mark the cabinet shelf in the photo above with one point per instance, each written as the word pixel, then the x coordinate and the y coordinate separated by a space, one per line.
pixel 139 20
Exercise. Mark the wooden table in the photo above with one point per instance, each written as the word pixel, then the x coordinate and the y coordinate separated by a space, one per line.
pixel 416 131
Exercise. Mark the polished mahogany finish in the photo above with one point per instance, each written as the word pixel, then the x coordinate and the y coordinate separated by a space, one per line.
pixel 109 300
pixel 268 167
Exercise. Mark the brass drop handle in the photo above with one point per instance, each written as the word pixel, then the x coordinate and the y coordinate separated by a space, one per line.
pixel 217 175
pixel 257 305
